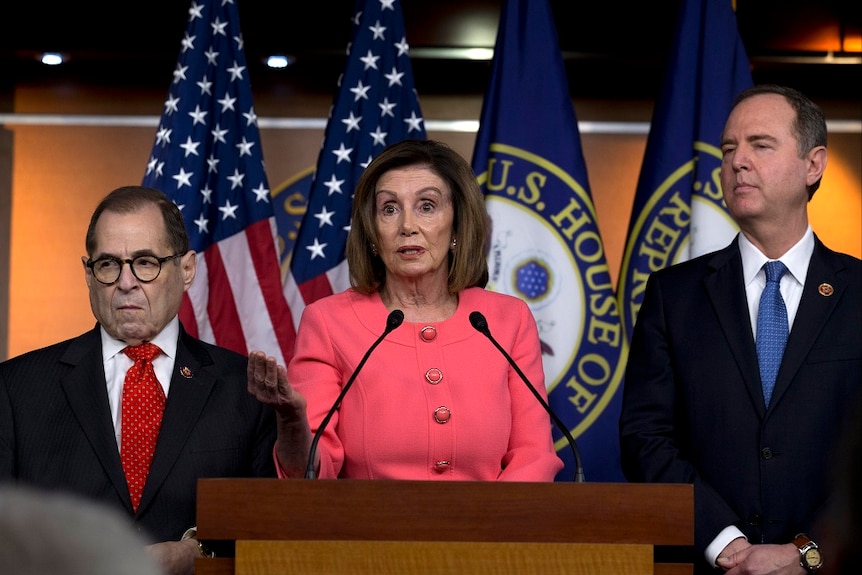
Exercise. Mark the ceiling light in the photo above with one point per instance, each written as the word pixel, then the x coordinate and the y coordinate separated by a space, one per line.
pixel 479 53
pixel 52 58
pixel 279 61
pixel 451 53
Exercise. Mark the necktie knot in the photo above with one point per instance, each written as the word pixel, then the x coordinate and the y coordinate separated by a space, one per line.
pixel 774 271
pixel 146 351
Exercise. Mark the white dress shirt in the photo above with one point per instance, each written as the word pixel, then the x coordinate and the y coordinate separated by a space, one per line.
pixel 118 363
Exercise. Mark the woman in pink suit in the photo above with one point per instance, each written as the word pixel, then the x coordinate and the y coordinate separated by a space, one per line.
pixel 435 399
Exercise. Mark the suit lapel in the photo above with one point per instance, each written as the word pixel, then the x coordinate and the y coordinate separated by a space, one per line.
pixel 814 310
pixel 191 386
pixel 725 287
pixel 86 390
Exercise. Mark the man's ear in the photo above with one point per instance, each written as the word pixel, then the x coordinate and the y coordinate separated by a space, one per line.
pixel 88 273
pixel 189 265
pixel 817 158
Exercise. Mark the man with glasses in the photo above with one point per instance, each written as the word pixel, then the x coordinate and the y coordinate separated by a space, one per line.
pixel 70 414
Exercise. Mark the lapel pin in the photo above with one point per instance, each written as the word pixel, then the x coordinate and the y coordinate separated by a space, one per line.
pixel 826 289
pixel 187 373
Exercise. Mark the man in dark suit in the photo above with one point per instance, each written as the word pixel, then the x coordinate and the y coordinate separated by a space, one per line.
pixel 62 408
pixel 694 410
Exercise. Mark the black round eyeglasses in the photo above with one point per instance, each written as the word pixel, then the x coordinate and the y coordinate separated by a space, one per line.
pixel 107 270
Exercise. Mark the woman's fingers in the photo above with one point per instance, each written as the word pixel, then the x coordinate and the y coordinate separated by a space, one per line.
pixel 256 372
pixel 266 379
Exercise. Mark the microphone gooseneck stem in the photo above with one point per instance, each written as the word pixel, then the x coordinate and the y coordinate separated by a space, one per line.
pixel 395 318
pixel 481 325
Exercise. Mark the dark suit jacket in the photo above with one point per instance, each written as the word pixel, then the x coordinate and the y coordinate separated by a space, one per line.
pixel 56 430
pixel 693 409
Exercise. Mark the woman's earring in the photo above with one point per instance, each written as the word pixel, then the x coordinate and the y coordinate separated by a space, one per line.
pixel 374 249
pixel 454 243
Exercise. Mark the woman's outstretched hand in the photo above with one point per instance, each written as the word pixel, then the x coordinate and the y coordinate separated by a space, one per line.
pixel 267 381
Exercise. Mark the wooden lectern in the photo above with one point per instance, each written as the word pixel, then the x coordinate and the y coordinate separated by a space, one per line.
pixel 302 526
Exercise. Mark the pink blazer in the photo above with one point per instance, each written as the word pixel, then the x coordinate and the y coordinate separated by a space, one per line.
pixel 445 405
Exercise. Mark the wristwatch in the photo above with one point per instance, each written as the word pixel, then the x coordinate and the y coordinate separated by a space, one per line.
pixel 809 553
pixel 192 533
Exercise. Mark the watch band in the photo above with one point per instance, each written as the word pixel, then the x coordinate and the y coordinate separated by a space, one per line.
pixel 810 557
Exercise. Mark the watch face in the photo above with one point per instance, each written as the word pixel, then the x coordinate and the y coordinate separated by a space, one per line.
pixel 812 557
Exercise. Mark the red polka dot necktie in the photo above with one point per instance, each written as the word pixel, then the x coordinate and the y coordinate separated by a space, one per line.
pixel 142 407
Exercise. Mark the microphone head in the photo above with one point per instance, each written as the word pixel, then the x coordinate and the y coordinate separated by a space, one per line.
pixel 396 317
pixel 478 321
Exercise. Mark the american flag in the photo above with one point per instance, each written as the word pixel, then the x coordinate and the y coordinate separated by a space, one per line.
pixel 207 158
pixel 376 105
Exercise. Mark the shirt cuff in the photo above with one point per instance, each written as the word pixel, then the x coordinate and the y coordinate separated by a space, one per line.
pixel 721 541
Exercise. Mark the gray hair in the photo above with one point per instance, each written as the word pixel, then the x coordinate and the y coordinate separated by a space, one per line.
pixel 51 533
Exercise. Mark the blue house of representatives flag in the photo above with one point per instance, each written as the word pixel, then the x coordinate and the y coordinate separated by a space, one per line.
pixel 546 246
pixel 678 209
pixel 376 105
pixel 207 159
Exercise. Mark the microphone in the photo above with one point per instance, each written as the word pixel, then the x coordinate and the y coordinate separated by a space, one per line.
pixel 396 317
pixel 478 321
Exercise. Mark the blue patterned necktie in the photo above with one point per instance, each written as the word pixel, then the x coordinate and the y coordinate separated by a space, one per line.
pixel 772 328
